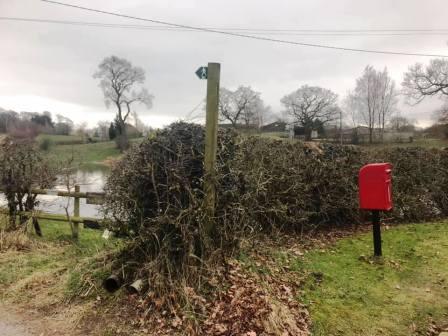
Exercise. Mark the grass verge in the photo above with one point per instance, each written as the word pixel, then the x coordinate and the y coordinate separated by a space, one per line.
pixel 346 291
pixel 53 268
pixel 403 293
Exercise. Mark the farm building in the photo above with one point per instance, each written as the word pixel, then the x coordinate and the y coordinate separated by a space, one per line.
pixel 360 134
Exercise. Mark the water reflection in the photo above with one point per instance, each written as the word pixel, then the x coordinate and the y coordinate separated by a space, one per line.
pixel 89 179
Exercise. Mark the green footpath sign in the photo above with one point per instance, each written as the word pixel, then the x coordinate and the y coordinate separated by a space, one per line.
pixel 202 72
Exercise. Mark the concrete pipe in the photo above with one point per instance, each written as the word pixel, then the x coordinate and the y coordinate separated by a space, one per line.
pixel 136 287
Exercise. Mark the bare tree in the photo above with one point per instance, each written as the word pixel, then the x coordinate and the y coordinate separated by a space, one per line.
pixel 241 105
pixel 269 116
pixel 374 99
pixel 350 106
pixel 401 124
pixel 63 125
pixel 68 178
pixel 311 105
pixel 138 123
pixel 227 110
pixel 421 81
pixel 441 114
pixel 255 113
pixel 103 130
pixel 121 83
pixel 388 99
pixel 81 130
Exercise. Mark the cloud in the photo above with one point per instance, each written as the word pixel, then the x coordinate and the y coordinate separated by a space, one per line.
pixel 55 63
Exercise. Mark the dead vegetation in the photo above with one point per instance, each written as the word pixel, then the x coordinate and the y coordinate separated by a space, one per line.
pixel 15 240
pixel 256 304
pixel 19 239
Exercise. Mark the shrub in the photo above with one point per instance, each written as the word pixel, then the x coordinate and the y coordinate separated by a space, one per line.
pixel 45 144
pixel 22 168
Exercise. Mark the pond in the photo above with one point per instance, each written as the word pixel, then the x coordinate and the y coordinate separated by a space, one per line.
pixel 89 179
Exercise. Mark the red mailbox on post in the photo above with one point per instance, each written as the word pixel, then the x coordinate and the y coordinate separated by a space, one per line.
pixel 375 194
pixel 375 187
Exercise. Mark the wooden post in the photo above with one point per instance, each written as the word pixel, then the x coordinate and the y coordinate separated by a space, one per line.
pixel 211 139
pixel 76 213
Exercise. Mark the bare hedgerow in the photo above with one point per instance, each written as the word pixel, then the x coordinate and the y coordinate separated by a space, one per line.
pixel 420 181
pixel 154 196
pixel 22 169
pixel 297 186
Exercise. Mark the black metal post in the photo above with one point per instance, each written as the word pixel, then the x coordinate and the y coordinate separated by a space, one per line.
pixel 376 233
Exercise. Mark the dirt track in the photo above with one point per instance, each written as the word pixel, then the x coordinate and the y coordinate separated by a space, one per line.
pixel 24 321
pixel 11 324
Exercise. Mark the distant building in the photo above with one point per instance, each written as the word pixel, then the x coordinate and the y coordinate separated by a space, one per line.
pixel 278 126
pixel 361 134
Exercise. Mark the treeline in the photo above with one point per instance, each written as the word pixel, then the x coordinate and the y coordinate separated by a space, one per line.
pixel 372 103
pixel 30 124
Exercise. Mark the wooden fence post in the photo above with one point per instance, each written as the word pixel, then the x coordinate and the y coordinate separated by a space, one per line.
pixel 211 139
pixel 76 213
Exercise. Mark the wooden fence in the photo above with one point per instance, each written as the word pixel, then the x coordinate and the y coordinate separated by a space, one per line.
pixel 76 219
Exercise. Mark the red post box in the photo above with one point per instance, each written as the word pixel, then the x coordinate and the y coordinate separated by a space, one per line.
pixel 375 187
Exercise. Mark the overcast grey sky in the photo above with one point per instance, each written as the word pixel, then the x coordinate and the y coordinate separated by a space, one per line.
pixel 47 66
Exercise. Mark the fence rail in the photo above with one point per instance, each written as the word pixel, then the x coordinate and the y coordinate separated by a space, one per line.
pixel 56 217
pixel 93 196
pixel 76 219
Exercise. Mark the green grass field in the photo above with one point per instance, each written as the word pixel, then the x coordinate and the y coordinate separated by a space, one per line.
pixel 349 294
pixel 87 155
pixel 60 139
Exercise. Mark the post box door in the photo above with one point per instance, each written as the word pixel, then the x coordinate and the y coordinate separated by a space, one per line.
pixel 375 187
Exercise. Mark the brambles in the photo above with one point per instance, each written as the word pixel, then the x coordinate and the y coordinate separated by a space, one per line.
pixel 154 195
pixel 160 176
pixel 302 186
pixel 296 186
